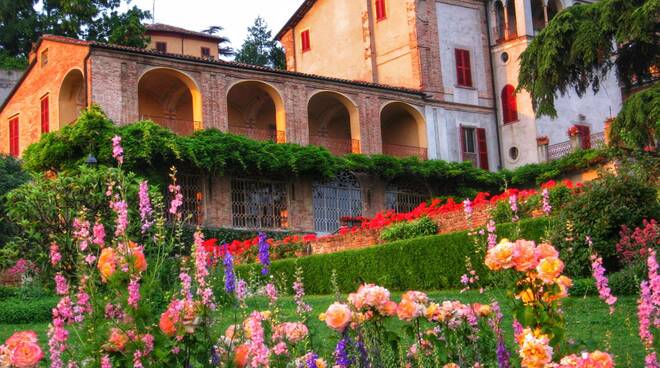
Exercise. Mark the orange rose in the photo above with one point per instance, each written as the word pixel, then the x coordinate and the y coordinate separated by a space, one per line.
pixel 527 296
pixel 107 263
pixel 166 324
pixel 545 250
pixel 139 261
pixel 549 269
pixel 241 355
pixel 524 255
pixel 338 316
pixel 500 256
pixel 564 284
pixel 389 309
pixel 26 354
pixel 117 340
pixel 601 360
pixel 407 310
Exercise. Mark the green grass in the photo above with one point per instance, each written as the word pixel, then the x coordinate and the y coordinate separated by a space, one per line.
pixel 588 323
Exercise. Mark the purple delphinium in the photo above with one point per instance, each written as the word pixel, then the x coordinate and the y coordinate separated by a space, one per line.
pixel 503 355
pixel 341 353
pixel 364 356
pixel 264 255
pixel 311 360
pixel 230 278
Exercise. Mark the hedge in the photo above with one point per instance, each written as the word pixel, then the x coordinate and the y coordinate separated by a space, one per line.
pixel 19 310
pixel 426 263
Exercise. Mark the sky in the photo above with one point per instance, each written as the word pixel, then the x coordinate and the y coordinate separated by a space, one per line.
pixel 234 15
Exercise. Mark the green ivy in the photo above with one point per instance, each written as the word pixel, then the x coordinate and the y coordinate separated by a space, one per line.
pixel 150 150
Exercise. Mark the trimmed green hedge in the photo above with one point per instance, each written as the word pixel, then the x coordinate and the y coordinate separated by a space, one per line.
pixel 427 263
pixel 19 310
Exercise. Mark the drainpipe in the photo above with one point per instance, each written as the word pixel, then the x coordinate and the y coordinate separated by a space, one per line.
pixel 492 81
pixel 88 86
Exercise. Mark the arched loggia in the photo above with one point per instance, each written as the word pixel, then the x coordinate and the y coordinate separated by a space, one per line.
pixel 334 123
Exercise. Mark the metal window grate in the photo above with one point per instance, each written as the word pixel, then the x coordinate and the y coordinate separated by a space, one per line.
pixel 259 204
pixel 404 197
pixel 334 200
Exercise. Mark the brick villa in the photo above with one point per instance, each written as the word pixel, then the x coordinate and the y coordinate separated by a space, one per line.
pixel 428 78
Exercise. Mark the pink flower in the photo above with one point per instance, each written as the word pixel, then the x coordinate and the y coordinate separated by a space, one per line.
pixel 513 203
pixel 133 292
pixel 604 291
pixel 177 201
pixel 492 237
pixel 99 234
pixel 61 285
pixel 145 206
pixel 117 150
pixel 55 256
pixel 105 362
pixel 26 354
pixel 644 314
pixel 467 208
pixel 271 292
pixel 651 361
pixel 547 208
pixel 81 233
pixel 121 223
pixel 280 349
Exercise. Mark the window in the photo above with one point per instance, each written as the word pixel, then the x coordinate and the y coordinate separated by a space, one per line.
pixel 259 204
pixel 45 118
pixel 463 70
pixel 381 12
pixel 44 58
pixel 509 106
pixel 13 136
pixel 304 40
pixel 161 46
pixel 474 146
pixel 206 52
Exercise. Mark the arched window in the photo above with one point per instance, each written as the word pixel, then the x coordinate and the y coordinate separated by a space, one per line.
pixel 509 106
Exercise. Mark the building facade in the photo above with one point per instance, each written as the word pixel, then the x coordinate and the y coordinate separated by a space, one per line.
pixel 434 79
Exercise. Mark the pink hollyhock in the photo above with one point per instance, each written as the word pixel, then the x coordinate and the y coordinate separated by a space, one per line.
pixel 55 256
pixel 117 150
pixel 99 234
pixel 133 292
pixel 61 285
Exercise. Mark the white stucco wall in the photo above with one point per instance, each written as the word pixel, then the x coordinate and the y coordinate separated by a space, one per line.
pixel 8 79
pixel 443 129
pixel 462 27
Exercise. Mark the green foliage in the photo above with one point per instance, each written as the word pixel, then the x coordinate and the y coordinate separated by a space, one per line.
pixel 408 230
pixel 8 62
pixel 223 43
pixel 18 310
pixel 18 25
pixel 605 205
pixel 432 262
pixel 259 48
pixel 575 51
pixel 125 28
pixel 151 150
pixel 11 176
pixel 638 123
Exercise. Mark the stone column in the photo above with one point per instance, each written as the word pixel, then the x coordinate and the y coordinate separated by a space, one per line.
pixel 542 147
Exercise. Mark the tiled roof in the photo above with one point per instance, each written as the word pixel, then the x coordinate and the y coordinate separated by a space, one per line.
pixel 296 17
pixel 160 27
pixel 233 64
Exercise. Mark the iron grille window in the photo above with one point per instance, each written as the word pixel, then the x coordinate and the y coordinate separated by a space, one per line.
pixel 259 204
pixel 192 211
pixel 404 198
pixel 334 200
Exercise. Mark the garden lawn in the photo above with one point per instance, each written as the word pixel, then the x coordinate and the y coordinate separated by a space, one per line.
pixel 588 322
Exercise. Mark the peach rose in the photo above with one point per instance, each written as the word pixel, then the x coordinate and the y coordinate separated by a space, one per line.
pixel 166 324
pixel 230 332
pixel 527 296
pixel 564 283
pixel 482 310
pixel 389 309
pixel 409 310
pixel 535 350
pixel 20 337
pixel 549 269
pixel 241 355
pixel 338 316
pixel 524 255
pixel 500 256
pixel 26 354
pixel 545 250
pixel 451 365
pixel 139 261
pixel 600 359
pixel 107 263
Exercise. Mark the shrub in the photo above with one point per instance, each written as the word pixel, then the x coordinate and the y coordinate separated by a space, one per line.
pixel 11 176
pixel 605 205
pixel 408 230
pixel 432 262
pixel 627 281
pixel 19 310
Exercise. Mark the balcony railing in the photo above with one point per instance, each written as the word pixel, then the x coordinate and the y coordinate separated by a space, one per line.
pixel 336 146
pixel 178 126
pixel 405 151
pixel 559 150
pixel 277 136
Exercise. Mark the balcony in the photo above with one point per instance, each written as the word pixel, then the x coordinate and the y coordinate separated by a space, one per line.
pixel 277 136
pixel 336 146
pixel 178 126
pixel 559 150
pixel 405 151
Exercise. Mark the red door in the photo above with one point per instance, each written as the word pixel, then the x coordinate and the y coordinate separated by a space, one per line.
pixel 483 148
pixel 45 118
pixel 13 137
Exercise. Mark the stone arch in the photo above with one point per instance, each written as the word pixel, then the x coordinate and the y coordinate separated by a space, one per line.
pixel 334 122
pixel 256 109
pixel 71 98
pixel 403 130
pixel 500 25
pixel 170 98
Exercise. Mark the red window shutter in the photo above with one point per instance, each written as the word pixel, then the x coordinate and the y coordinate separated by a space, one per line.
pixel 305 41
pixel 45 117
pixel 13 137
pixel 483 148
pixel 463 68
pixel 509 105
pixel 381 12
pixel 462 132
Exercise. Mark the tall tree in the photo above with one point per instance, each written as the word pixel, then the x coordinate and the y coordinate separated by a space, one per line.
pixel 259 48
pixel 579 48
pixel 224 48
